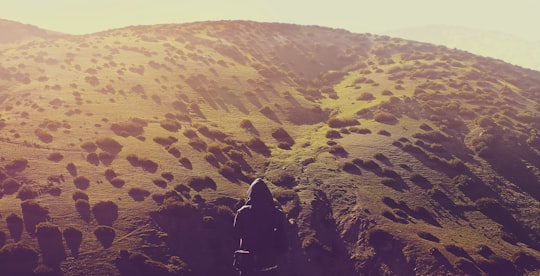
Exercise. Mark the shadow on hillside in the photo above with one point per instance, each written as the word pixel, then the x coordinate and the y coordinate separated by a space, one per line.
pixel 509 163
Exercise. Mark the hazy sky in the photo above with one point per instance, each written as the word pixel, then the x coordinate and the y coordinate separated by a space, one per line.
pixel 517 17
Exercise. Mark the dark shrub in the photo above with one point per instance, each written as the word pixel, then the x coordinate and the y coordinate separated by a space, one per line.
pixel 247 125
pixel 379 238
pixel 160 183
pixel 526 261
pixel 105 235
pixel 18 259
pixel 105 212
pixel 117 182
pixel 428 236
pixel 138 194
pixel 109 145
pixel 424 214
pixel 170 125
pixel 15 226
pixel 390 202
pixel 73 237
pixel 431 136
pixel 366 96
pixel 149 165
pixel 79 195
pixel 351 168
pixel 342 122
pixel 10 186
pixel 494 210
pixel 420 181
pixel 257 145
pixel 55 157
pixel 89 146
pixel 496 265
pixel 43 135
pixel 333 134
pixel 93 159
pixel 26 193
pixel 282 135
pixel 385 117
pixel 72 169
pixel 285 180
pixel 50 242
pixel 371 165
pixel 190 133
pixel 384 132
pixel 83 207
pixel 33 213
pixel 198 183
pixel 197 143
pixel 106 158
pixel 337 150
pixel 466 266
pixel 81 182
pixel 17 165
pixel 185 162
pixel 133 160
pixel 109 174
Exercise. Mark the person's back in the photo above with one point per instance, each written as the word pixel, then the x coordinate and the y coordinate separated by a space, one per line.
pixel 259 226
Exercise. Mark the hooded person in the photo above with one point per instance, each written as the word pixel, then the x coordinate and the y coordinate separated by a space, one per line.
pixel 259 226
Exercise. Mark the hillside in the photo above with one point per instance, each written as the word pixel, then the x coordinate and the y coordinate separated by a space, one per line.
pixel 491 44
pixel 13 32
pixel 127 152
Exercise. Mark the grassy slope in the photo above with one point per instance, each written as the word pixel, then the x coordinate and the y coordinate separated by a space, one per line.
pixel 230 71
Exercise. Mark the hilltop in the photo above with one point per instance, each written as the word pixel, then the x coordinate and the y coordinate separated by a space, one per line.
pixel 127 152
pixel 13 32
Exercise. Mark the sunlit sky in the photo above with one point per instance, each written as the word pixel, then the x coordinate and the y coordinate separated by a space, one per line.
pixel 520 18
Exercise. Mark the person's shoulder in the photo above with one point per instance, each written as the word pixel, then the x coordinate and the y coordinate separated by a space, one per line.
pixel 244 209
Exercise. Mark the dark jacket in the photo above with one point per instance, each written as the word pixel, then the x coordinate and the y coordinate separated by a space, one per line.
pixel 259 225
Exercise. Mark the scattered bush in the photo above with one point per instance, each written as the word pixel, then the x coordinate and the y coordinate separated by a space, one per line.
pixel 18 259
pixel 282 135
pixel 333 134
pixel 81 182
pixel 133 159
pixel 431 136
pixel 43 135
pixel 105 235
pixel 92 158
pixel 385 117
pixel 72 169
pixel 106 158
pixel 89 146
pixel 160 183
pixel 33 213
pixel 378 238
pixel 342 122
pixel 149 165
pixel 83 207
pixel 109 145
pixel 247 125
pixel 17 165
pixel 190 133
pixel 257 145
pixel 105 212
pixel 55 157
pixel 428 236
pixel 79 195
pixel 50 242
pixel 138 194
pixel 10 186
pixel 366 96
pixel 351 168
pixel 15 226
pixel 117 182
pixel 185 162
pixel 26 193
pixel 199 183
pixel 466 266
pixel 197 143
pixel 73 237
pixel 337 150
pixel 170 125
pixel 384 132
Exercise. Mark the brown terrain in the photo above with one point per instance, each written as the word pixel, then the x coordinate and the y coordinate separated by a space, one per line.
pixel 128 152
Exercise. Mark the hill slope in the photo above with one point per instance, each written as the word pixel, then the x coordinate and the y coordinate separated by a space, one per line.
pixel 388 156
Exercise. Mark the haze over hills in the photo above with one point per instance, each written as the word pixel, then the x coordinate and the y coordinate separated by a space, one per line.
pixel 492 44
pixel 127 152
pixel 11 32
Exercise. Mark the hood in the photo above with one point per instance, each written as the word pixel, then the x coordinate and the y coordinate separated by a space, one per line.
pixel 259 194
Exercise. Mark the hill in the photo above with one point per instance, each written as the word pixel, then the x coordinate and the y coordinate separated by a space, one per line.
pixel 12 32
pixel 127 152
pixel 491 44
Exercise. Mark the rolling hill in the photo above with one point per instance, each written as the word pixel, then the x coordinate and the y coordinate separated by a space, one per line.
pixel 127 152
